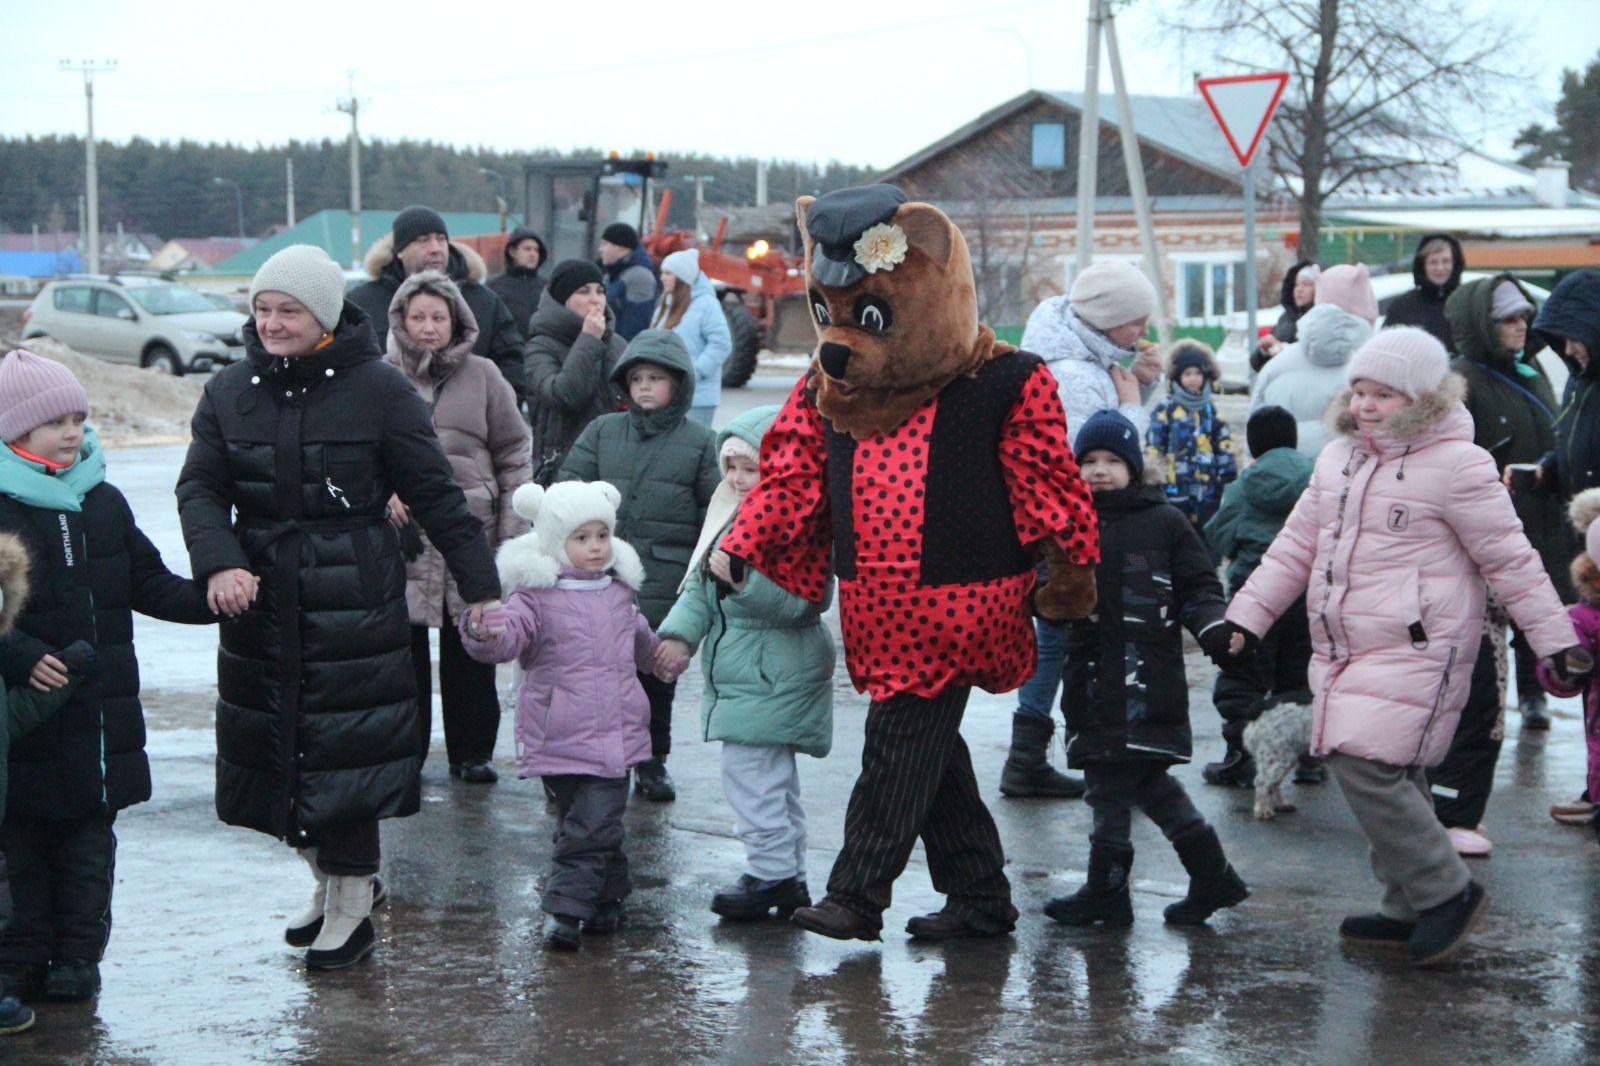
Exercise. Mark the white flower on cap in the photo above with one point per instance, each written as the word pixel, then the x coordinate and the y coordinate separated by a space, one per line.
pixel 881 247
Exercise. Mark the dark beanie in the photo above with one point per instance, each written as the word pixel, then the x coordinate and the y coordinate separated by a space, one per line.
pixel 570 276
pixel 1269 428
pixel 1110 431
pixel 620 233
pixel 416 221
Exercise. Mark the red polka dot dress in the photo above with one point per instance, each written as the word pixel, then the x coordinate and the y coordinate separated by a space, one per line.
pixel 932 528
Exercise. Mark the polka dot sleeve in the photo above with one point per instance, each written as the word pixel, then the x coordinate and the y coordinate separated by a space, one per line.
pixel 783 527
pixel 1048 498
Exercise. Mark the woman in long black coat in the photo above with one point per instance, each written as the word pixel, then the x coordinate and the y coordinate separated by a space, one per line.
pixel 296 452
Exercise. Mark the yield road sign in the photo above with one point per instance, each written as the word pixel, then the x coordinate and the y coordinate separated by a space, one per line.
pixel 1243 105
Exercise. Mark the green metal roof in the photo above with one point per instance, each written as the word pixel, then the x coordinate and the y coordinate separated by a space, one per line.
pixel 330 231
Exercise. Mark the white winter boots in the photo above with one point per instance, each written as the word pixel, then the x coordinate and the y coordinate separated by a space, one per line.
pixel 304 929
pixel 347 935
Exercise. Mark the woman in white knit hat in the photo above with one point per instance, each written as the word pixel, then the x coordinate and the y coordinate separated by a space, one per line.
pixel 1403 523
pixel 690 308
pixel 296 452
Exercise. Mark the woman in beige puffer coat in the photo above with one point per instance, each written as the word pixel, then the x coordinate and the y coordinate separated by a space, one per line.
pixel 431 334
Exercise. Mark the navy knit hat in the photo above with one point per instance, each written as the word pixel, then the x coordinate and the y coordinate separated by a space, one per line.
pixel 416 221
pixel 1188 354
pixel 1268 428
pixel 622 234
pixel 1110 431
pixel 570 275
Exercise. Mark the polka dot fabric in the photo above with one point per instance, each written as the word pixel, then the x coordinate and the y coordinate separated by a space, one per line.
pixel 902 636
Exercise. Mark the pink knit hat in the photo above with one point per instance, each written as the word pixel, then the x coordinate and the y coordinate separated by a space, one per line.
pixel 1349 288
pixel 35 390
pixel 1405 358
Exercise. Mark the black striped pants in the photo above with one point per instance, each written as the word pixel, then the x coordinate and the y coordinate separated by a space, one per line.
pixel 917 781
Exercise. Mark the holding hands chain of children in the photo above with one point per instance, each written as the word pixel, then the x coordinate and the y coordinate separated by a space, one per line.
pixel 485 620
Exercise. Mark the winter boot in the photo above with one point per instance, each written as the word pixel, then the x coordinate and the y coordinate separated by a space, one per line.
pixel 608 918
pixel 1236 770
pixel 1310 771
pixel 751 898
pixel 479 772
pixel 1104 897
pixel 948 925
pixel 1376 929
pixel 304 929
pixel 562 933
pixel 650 780
pixel 1213 884
pixel 832 919
pixel 72 980
pixel 1534 716
pixel 347 935
pixel 14 1017
pixel 1442 930
pixel 1028 771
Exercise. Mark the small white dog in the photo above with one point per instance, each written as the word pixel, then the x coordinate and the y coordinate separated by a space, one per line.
pixel 1277 740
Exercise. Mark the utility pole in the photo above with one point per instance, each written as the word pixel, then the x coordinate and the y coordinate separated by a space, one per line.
pixel 761 182
pixel 352 107
pixel 288 169
pixel 1136 185
pixel 90 68
pixel 1089 138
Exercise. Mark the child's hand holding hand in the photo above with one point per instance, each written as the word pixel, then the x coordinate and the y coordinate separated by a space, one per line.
pixel 231 592
pixel 672 658
pixel 485 620
pixel 1571 664
pixel 48 673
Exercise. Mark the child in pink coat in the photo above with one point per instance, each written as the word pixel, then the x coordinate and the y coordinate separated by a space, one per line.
pixel 1584 511
pixel 1403 522
pixel 570 621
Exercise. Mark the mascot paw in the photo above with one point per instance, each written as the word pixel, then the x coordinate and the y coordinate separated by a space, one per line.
pixel 1068 595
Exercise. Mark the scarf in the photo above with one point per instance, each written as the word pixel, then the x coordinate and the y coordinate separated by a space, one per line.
pixel 719 516
pixel 1193 401
pixel 1093 346
pixel 31 482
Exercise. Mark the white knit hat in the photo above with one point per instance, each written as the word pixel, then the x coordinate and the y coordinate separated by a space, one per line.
pixel 1405 358
pixel 685 264
pixel 1112 294
pixel 305 272
pixel 736 445
pixel 555 512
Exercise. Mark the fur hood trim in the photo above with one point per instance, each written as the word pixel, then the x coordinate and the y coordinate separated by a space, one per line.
pixel 523 566
pixel 1584 509
pixel 381 254
pixel 1425 414
pixel 13 580
pixel 1189 345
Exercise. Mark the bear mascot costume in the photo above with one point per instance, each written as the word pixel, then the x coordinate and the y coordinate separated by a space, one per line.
pixel 927 466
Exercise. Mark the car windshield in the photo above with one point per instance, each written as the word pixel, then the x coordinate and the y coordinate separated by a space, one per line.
pixel 169 299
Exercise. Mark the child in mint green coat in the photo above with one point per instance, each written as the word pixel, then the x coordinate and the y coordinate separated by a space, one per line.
pixel 768 663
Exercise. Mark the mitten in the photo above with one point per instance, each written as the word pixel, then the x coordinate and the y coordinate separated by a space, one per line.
pixel 1571 664
pixel 1069 594
pixel 79 658
pixel 1214 642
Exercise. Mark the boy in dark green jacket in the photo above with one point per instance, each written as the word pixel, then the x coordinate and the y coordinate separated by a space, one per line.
pixel 23 708
pixel 1253 509
pixel 665 466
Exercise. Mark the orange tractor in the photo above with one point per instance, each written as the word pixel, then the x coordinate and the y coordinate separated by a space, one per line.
pixel 569 201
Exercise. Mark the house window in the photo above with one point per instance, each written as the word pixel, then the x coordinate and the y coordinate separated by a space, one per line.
pixel 1049 145
pixel 1210 288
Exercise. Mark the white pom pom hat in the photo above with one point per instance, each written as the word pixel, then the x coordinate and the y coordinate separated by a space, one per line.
pixel 555 512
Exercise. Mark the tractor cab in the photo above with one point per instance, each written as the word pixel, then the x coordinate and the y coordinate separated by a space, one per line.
pixel 569 201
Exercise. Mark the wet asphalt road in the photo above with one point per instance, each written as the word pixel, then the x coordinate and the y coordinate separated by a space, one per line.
pixel 197 971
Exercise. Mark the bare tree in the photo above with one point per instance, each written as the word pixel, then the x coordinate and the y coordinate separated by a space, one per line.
pixel 1376 88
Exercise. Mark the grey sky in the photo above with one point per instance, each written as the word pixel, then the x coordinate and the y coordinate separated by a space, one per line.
pixel 861 82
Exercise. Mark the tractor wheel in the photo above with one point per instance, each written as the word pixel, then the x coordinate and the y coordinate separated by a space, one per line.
pixel 746 345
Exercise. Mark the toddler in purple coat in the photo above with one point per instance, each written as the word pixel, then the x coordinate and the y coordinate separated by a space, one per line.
pixel 1584 511
pixel 582 718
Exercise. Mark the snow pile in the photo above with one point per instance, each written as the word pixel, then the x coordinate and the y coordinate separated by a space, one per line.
pixel 127 405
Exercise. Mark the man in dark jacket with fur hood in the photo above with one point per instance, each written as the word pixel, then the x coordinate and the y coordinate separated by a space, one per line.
pixel 419 241
pixel 1436 269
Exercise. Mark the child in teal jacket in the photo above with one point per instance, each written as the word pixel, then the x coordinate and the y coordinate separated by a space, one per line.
pixel 768 664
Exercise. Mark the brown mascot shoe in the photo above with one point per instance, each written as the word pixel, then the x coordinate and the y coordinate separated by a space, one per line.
pixel 835 920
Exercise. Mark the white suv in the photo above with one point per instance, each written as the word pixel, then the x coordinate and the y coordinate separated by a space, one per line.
pixel 150 322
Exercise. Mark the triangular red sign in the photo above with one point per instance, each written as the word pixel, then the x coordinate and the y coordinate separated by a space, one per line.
pixel 1243 105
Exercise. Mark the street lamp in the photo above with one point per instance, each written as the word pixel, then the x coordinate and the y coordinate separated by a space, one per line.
pixel 238 201
pixel 500 199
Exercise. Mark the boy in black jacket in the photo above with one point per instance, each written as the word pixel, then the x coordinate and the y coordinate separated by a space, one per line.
pixel 92 568
pixel 1124 695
